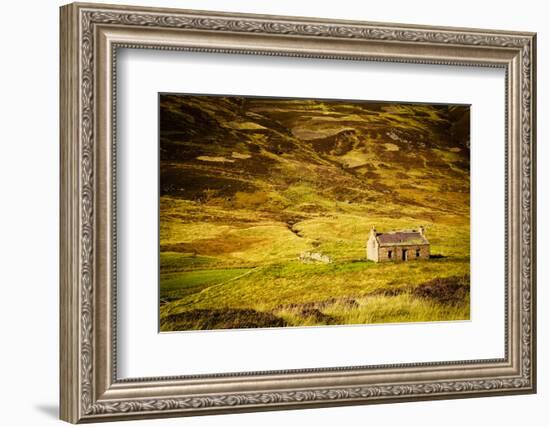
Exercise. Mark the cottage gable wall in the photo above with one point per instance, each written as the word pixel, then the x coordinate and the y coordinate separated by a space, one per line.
pixel 373 250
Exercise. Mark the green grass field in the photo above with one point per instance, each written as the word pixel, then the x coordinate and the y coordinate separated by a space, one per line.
pixel 246 190
pixel 257 269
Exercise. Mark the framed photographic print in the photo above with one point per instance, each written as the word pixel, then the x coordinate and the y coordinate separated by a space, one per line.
pixel 265 212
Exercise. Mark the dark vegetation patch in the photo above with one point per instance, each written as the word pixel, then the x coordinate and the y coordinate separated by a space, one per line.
pixel 405 160
pixel 172 150
pixel 257 165
pixel 291 218
pixel 290 223
pixel 390 292
pixel 372 175
pixel 338 144
pixel 184 119
pixel 228 318
pixel 191 183
pixel 453 173
pixel 270 124
pixel 459 118
pixel 402 175
pixel 437 164
pixel 280 145
pixel 313 311
pixel 453 188
pixel 448 290
pixel 316 315
pixel 379 187
pixel 463 163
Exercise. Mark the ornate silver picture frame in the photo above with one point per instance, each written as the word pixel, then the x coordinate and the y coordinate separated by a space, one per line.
pixel 91 390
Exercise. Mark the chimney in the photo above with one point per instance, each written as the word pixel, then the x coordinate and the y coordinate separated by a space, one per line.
pixel 373 231
pixel 421 230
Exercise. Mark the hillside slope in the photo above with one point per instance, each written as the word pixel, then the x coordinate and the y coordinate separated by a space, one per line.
pixel 214 147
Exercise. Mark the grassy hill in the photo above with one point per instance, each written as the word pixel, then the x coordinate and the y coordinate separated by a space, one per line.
pixel 248 184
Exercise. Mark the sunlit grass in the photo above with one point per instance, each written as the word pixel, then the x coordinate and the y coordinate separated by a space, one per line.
pixel 396 309
pixel 179 285
pixel 270 286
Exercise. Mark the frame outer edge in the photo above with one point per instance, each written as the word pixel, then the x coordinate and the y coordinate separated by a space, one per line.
pixel 533 126
pixel 69 355
pixel 304 19
pixel 77 339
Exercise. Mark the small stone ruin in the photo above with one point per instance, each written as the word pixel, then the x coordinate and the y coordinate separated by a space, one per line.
pixel 310 257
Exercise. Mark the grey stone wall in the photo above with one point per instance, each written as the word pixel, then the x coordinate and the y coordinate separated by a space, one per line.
pixel 397 253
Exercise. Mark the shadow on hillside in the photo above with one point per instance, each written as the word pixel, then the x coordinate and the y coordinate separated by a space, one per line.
pixel 437 256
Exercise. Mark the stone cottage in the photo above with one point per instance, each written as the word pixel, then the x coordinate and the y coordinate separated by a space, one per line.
pixel 402 245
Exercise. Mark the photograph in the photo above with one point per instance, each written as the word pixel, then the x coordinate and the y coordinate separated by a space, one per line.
pixel 294 212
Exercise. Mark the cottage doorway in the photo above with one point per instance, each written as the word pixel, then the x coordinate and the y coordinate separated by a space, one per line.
pixel 404 255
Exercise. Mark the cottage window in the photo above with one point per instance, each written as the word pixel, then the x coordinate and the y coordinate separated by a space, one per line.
pixel 389 254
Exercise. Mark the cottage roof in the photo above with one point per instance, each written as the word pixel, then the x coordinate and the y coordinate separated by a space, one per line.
pixel 397 238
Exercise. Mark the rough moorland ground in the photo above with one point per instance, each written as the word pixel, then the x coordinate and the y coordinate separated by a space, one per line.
pixel 249 184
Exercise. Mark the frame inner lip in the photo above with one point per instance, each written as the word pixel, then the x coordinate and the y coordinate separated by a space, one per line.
pixel 340 370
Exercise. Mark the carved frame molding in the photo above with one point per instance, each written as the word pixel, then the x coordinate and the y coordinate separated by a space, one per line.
pixel 90 36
